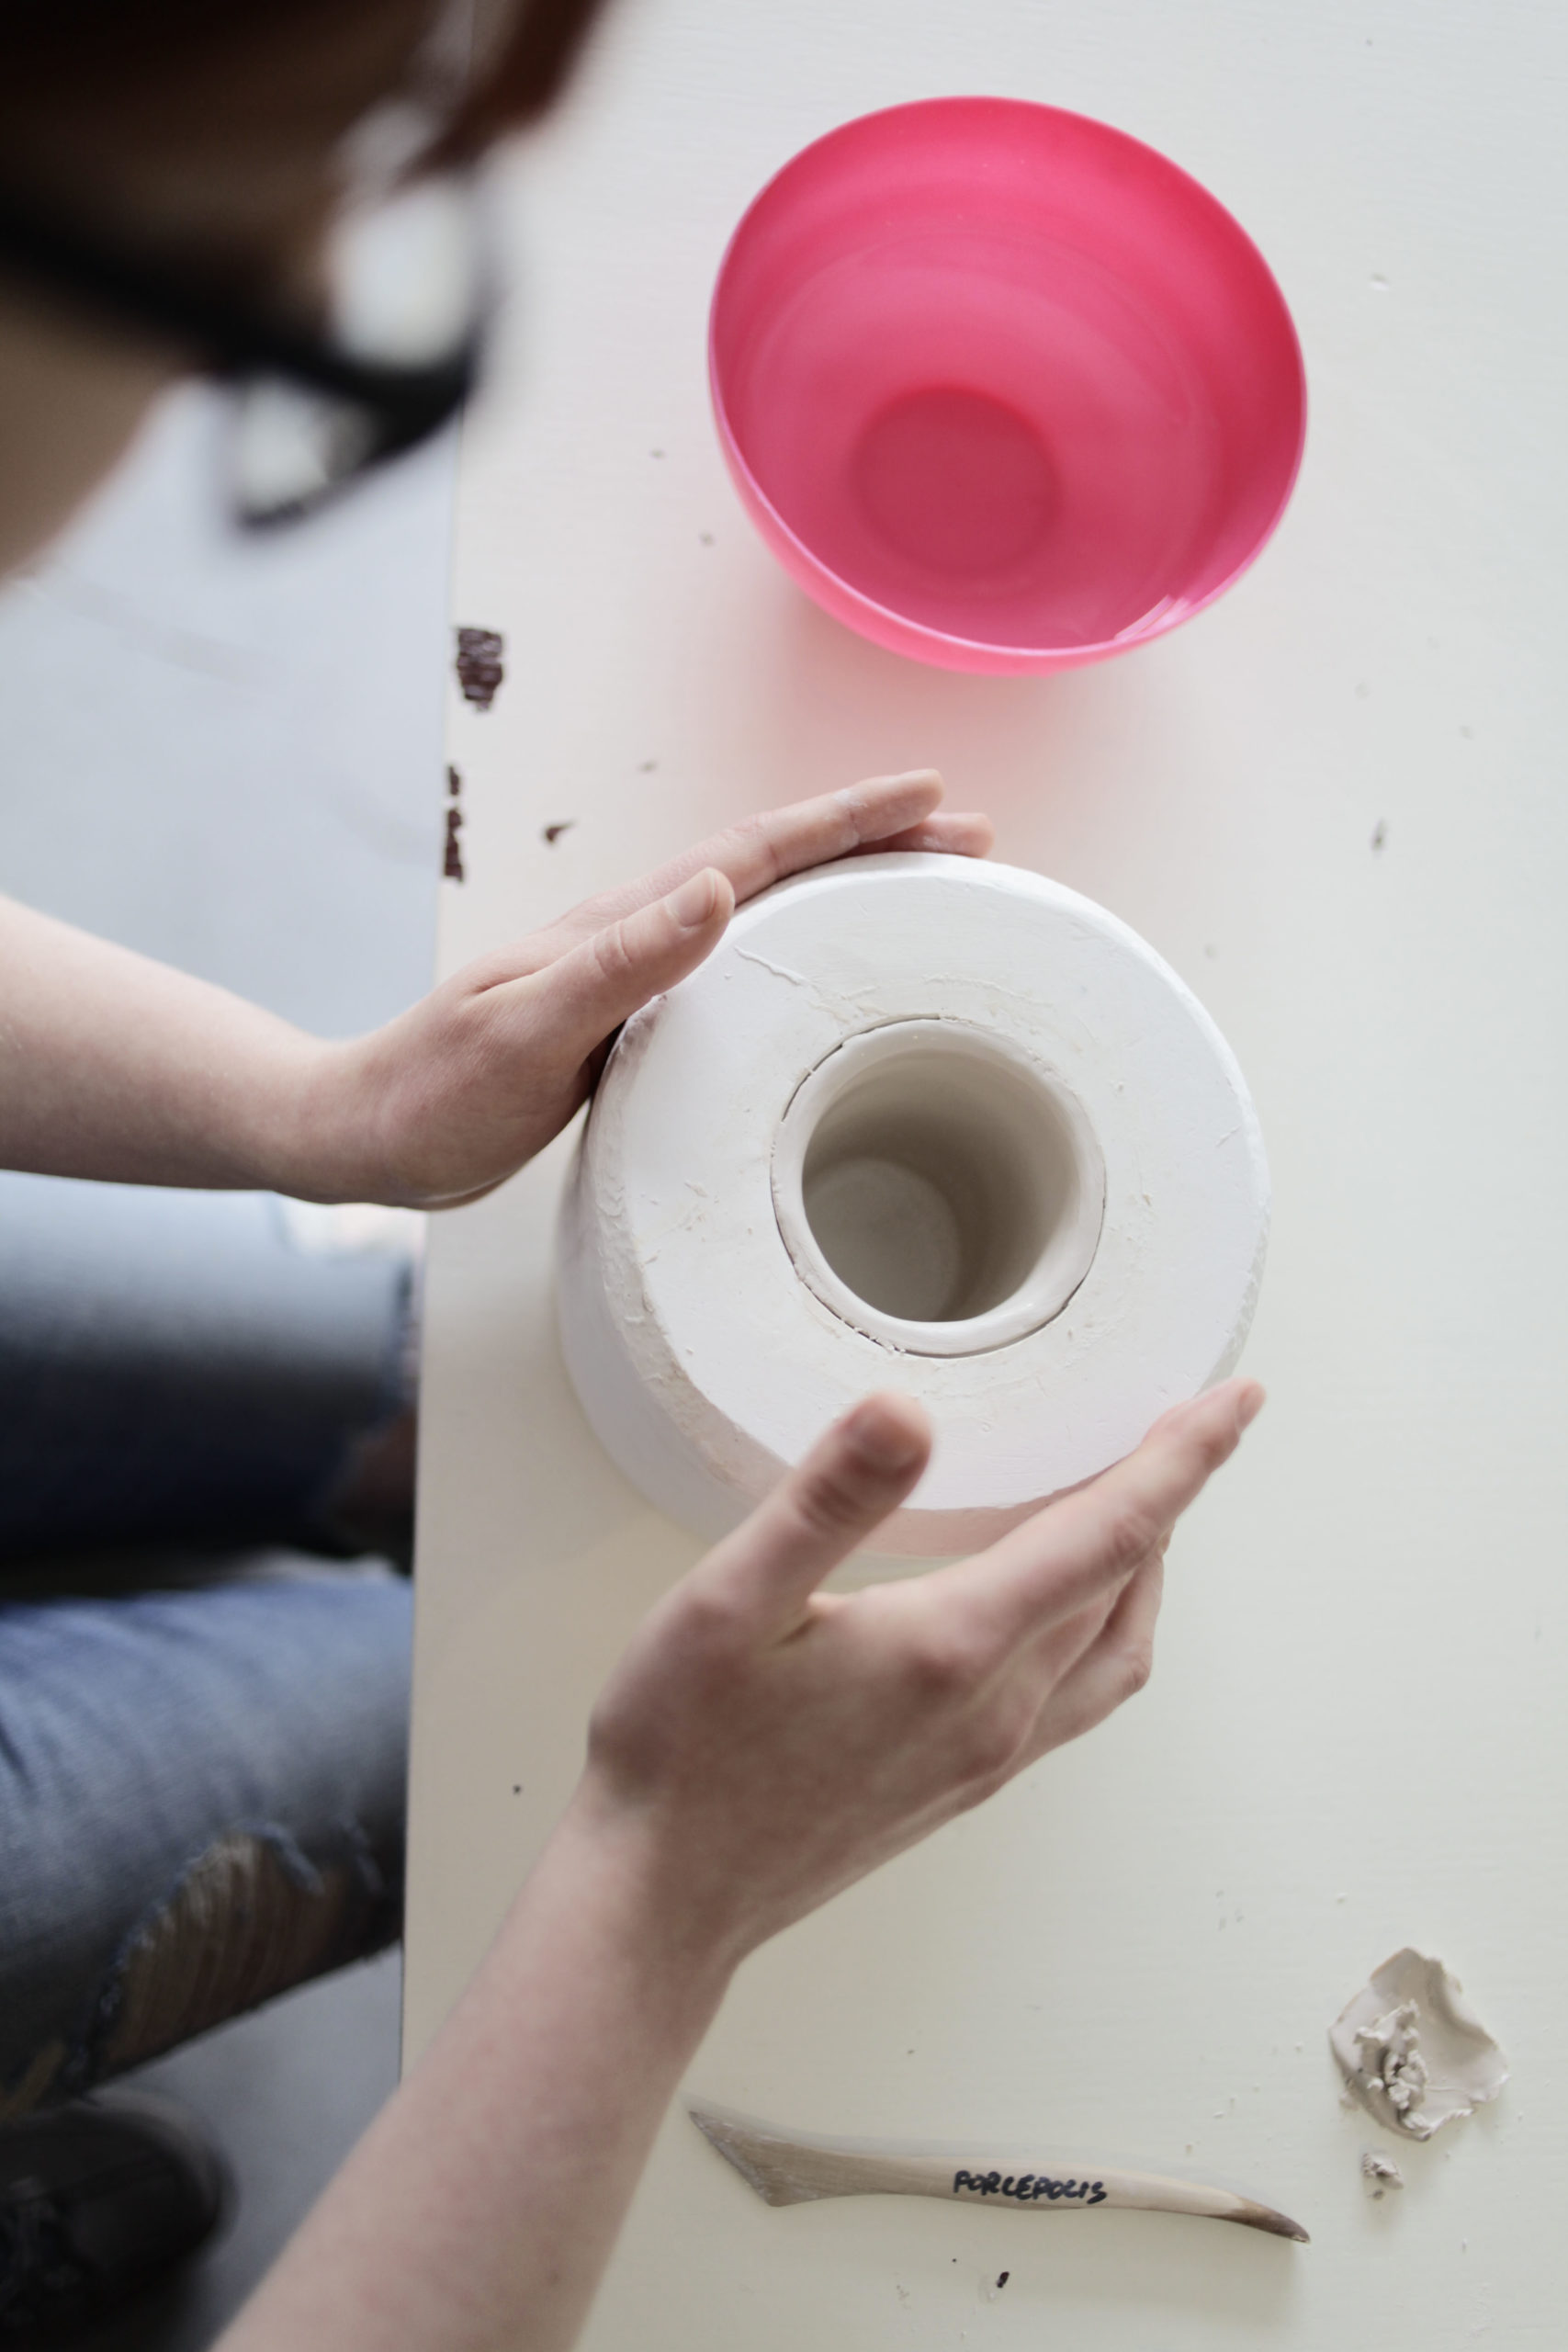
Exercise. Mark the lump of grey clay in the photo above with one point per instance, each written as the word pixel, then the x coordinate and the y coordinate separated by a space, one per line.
pixel 1380 2173
pixel 1413 2051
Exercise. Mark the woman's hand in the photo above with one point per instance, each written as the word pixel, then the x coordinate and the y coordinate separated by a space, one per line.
pixel 114 1067
pixel 762 1744
pixel 453 1096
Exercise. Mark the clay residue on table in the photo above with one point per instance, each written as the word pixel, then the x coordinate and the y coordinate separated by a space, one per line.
pixel 480 666
pixel 1412 2050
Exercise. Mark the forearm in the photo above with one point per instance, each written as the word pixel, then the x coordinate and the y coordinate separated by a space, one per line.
pixel 479 2210
pixel 112 1066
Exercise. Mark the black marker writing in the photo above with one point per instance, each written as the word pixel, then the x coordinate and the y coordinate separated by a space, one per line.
pixel 1028 2187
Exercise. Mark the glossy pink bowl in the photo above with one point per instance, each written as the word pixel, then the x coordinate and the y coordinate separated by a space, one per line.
pixel 1002 388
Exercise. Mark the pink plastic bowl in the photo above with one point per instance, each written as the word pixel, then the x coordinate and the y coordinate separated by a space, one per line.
pixel 1002 388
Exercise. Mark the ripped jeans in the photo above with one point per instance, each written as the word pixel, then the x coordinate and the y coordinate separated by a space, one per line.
pixel 202 1750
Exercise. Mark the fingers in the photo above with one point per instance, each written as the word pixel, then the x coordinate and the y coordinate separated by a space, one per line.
pixel 1112 1670
pixel 583 996
pixel 1085 1544
pixel 762 850
pixel 1057 1652
pixel 961 832
pixel 853 1477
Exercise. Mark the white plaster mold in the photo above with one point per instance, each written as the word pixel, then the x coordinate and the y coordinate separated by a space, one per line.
pixel 1411 2049
pixel 919 1123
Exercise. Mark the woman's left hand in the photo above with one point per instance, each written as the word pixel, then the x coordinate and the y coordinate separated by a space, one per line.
pixel 454 1095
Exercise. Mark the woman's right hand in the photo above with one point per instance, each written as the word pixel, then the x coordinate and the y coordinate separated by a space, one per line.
pixel 762 1744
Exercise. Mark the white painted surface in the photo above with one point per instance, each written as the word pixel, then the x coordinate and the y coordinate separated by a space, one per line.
pixel 1353 1738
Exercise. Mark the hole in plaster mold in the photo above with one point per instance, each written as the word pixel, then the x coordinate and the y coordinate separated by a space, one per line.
pixel 938 1188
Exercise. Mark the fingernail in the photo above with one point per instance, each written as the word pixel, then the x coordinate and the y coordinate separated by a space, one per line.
pixel 885 1437
pixel 692 905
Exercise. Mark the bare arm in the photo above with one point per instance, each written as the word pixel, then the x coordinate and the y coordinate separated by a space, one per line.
pixel 761 1746
pixel 115 1066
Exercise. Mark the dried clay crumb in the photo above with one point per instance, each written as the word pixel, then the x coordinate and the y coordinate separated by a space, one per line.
pixel 1380 2173
pixel 1412 2050
pixel 480 666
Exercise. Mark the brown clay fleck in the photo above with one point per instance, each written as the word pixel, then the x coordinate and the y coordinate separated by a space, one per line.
pixel 480 668
pixel 1002 2278
pixel 552 833
pixel 452 863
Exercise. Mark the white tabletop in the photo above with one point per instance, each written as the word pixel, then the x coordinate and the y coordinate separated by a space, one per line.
pixel 1334 804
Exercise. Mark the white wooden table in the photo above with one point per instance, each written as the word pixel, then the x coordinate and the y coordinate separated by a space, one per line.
pixel 1335 804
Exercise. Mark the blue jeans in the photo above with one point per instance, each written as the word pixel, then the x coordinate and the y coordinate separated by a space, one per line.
pixel 202 1750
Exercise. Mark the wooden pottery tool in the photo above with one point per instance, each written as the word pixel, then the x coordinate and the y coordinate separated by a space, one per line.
pixel 792 2167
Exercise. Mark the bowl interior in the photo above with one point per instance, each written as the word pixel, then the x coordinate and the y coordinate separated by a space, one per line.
pixel 1007 374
